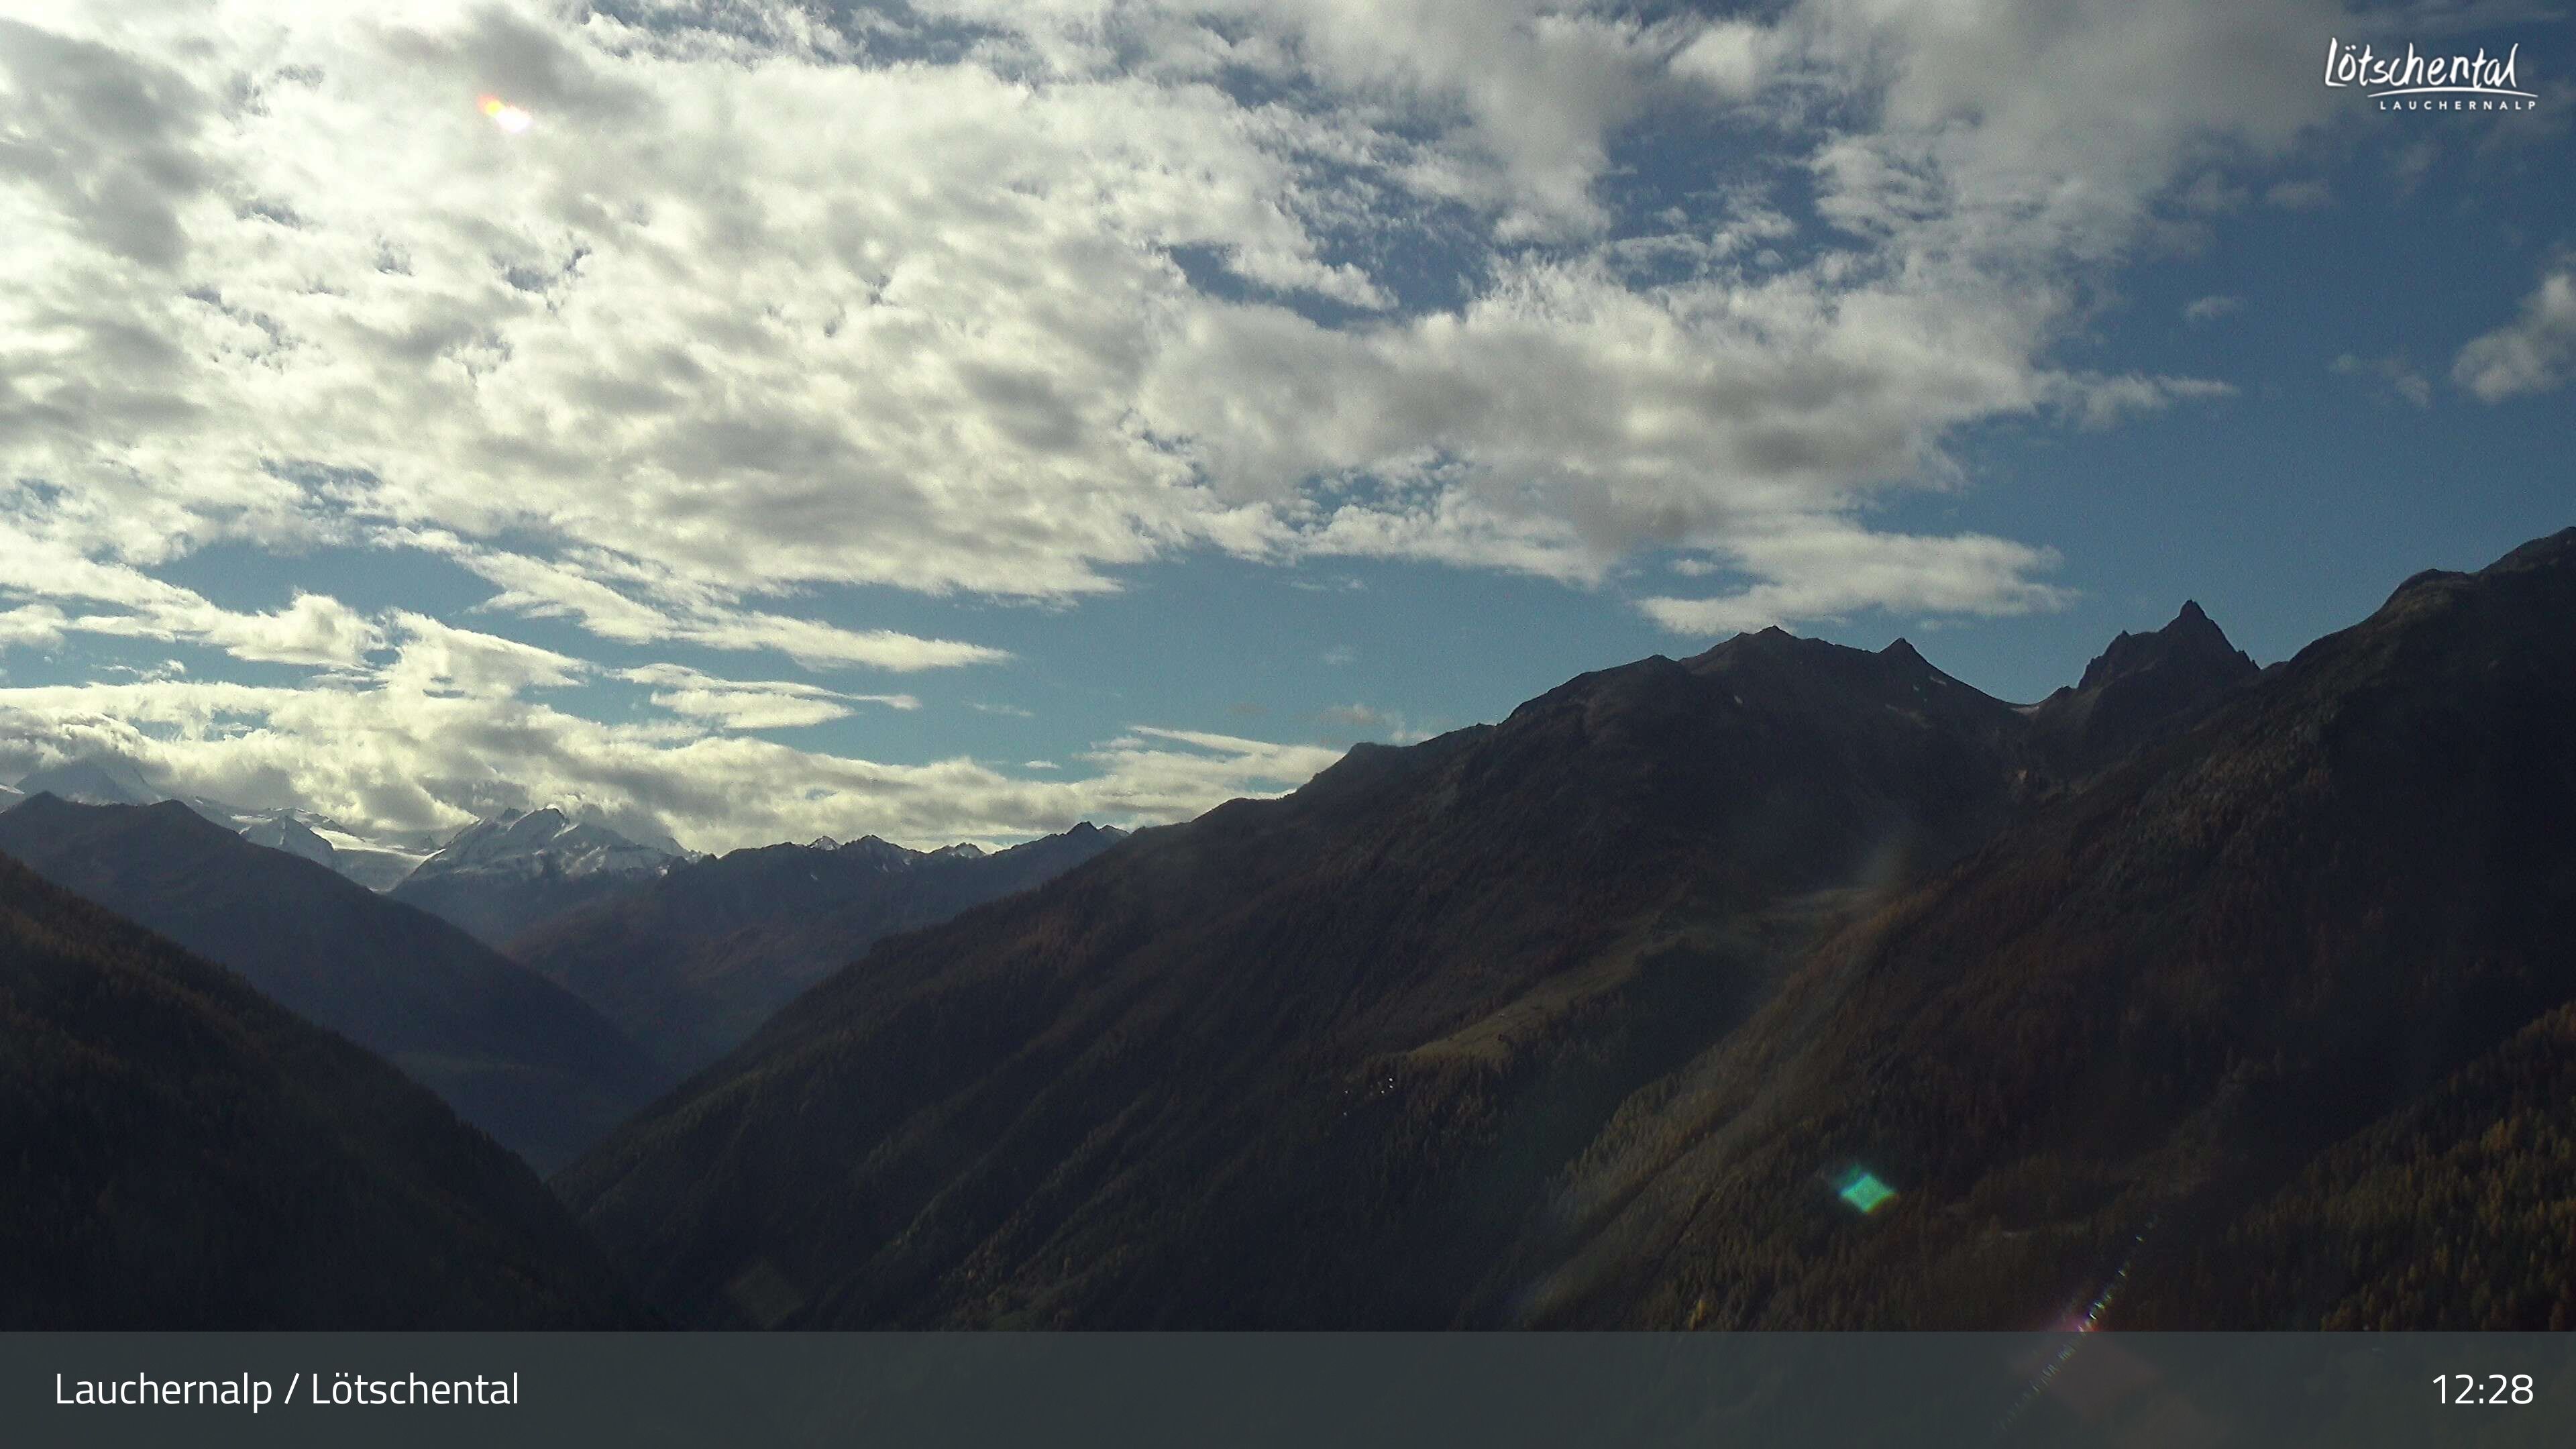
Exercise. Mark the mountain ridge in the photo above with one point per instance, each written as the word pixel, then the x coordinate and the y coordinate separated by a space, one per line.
pixel 1469 1027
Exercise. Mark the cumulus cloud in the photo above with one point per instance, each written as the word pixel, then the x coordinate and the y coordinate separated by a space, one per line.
pixel 105 139
pixel 571 588
pixel 776 302
pixel 2535 352
pixel 1827 574
pixel 315 629
pixel 769 306
pixel 752 704
pixel 31 626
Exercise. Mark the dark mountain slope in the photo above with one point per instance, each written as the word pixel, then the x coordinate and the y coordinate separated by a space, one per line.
pixel 516 1054
pixel 690 964
pixel 187 1155
pixel 2139 1015
pixel 2455 1211
pixel 1305 1061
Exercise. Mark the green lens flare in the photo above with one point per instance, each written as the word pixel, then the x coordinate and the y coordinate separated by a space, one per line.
pixel 1864 1191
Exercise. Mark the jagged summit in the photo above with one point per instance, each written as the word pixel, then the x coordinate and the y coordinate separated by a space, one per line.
pixel 496 877
pixel 2192 640
pixel 544 840
pixel 2141 686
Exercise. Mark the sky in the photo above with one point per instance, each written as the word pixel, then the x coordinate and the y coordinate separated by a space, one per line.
pixel 952 420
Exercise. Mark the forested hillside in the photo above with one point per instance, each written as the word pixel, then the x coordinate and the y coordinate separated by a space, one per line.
pixel 185 1154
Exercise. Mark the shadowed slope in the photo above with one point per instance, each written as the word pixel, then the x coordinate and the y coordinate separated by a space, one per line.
pixel 185 1154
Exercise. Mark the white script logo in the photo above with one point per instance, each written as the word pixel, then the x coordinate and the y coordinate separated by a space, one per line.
pixel 2416 82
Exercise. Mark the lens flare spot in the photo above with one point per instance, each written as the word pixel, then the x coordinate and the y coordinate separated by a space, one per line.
pixel 511 119
pixel 1862 1189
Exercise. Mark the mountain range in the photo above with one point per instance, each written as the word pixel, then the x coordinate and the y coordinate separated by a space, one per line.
pixel 374 862
pixel 189 1155
pixel 493 877
pixel 1785 986
pixel 691 962
pixel 1789 985
pixel 512 1052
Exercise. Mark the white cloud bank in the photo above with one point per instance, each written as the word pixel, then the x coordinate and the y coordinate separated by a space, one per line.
pixel 406 752
pixel 2534 353
pixel 749 306
pixel 761 303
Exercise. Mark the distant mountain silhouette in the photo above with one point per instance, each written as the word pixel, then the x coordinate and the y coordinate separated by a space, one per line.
pixel 110 780
pixel 498 877
pixel 514 1053
pixel 689 964
pixel 185 1154
pixel 1596 1016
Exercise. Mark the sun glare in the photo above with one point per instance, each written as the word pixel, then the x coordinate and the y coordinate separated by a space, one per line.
pixel 511 119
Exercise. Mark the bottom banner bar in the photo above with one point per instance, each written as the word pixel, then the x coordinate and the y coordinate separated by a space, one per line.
pixel 1221 1391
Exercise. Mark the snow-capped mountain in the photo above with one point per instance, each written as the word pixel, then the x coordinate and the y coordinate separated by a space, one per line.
pixel 498 876
pixel 541 842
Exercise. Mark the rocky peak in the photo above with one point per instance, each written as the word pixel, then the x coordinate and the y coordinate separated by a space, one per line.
pixel 2191 641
